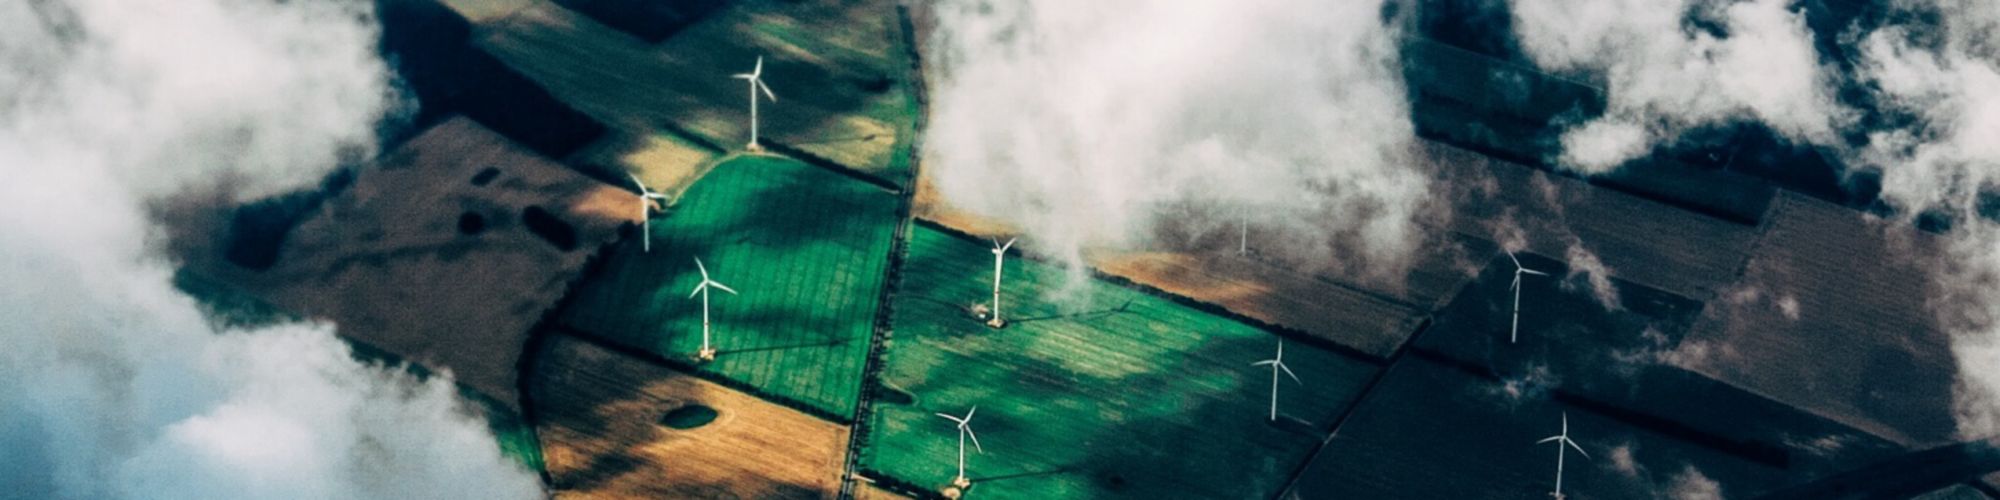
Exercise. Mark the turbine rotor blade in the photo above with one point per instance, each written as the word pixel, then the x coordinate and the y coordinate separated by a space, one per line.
pixel 1579 449
pixel 759 70
pixel 1534 272
pixel 702 268
pixel 1264 362
pixel 1517 262
pixel 697 289
pixel 968 413
pixel 975 438
pixel 759 82
pixel 743 76
pixel 953 418
pixel 1010 244
pixel 1288 371
pixel 1548 439
pixel 723 287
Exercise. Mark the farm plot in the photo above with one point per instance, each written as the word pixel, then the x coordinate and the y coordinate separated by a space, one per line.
pixel 619 427
pixel 1625 360
pixel 1429 430
pixel 840 72
pixel 446 252
pixel 1105 392
pixel 1832 310
pixel 805 248
pixel 1640 240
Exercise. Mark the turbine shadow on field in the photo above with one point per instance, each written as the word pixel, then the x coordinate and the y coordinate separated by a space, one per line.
pixel 1085 315
pixel 803 345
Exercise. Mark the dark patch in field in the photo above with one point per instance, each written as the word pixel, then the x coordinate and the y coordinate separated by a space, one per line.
pixel 429 45
pixel 688 417
pixel 470 224
pixel 549 228
pixel 485 176
pixel 648 20
pixel 890 395
pixel 258 230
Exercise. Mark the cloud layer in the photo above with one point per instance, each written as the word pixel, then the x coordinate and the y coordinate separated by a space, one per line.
pixel 1940 155
pixel 1669 66
pixel 1928 123
pixel 1099 124
pixel 117 386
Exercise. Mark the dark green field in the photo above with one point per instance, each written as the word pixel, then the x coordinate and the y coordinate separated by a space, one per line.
pixel 804 246
pixel 840 72
pixel 1117 394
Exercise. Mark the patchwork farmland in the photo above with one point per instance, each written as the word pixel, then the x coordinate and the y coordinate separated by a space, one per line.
pixel 1101 394
pixel 806 249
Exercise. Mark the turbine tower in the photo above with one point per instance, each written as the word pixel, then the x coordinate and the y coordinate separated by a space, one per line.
pixel 1278 363
pixel 1562 440
pixel 964 431
pixel 1514 332
pixel 756 79
pixel 999 256
pixel 646 204
pixel 1243 235
pixel 707 353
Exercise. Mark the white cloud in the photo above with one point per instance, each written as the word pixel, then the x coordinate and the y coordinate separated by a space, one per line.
pixel 1691 484
pixel 1084 121
pixel 117 387
pixel 1662 77
pixel 1941 157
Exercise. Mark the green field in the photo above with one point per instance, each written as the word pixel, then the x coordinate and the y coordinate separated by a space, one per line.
pixel 806 248
pixel 1118 394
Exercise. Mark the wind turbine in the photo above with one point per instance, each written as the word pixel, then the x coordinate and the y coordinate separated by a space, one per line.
pixel 1560 440
pixel 964 431
pixel 646 204
pixel 999 256
pixel 1278 363
pixel 1514 332
pixel 756 79
pixel 1243 236
pixel 707 353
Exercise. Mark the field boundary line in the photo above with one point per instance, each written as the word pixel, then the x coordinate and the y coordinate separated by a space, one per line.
pixel 859 431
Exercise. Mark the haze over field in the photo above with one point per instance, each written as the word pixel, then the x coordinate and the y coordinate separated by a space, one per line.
pixel 1094 124
pixel 1926 117
pixel 117 386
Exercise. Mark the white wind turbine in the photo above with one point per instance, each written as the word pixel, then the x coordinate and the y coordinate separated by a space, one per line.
pixel 999 257
pixel 1243 235
pixel 1278 363
pixel 964 431
pixel 756 79
pixel 646 204
pixel 707 353
pixel 1514 332
pixel 1561 440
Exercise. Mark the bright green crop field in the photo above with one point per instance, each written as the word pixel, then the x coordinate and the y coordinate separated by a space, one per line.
pixel 806 248
pixel 1108 392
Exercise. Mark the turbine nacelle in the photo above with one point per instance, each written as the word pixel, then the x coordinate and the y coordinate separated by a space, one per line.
pixel 965 426
pixel 706 282
pixel 1000 249
pixel 648 201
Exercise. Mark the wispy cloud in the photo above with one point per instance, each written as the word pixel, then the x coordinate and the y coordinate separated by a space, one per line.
pixel 1086 122
pixel 117 387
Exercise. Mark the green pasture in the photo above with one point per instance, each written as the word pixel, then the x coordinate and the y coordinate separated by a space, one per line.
pixel 804 246
pixel 1098 392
